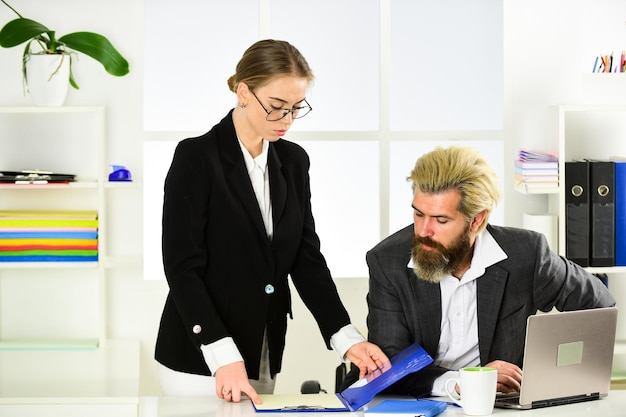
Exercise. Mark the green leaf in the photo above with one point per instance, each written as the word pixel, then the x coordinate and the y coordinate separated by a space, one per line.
pixel 72 80
pixel 99 48
pixel 19 31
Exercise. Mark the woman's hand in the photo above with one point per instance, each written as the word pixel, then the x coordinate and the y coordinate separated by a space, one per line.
pixel 232 380
pixel 367 356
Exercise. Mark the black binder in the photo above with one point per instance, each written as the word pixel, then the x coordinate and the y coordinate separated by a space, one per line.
pixel 577 211
pixel 602 235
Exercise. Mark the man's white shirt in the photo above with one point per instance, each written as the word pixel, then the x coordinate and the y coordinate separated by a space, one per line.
pixel 458 344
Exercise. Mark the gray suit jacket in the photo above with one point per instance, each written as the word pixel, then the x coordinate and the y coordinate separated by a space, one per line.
pixel 404 309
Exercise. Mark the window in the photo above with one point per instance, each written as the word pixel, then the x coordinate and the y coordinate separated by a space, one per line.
pixel 391 84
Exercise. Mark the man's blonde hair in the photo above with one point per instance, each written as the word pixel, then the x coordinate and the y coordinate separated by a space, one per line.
pixel 458 168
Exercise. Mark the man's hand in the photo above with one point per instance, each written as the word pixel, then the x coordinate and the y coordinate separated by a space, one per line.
pixel 509 376
pixel 232 380
pixel 367 357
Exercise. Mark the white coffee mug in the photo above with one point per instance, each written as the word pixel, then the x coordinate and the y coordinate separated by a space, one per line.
pixel 478 390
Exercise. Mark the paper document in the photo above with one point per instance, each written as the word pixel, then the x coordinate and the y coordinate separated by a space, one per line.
pixel 300 402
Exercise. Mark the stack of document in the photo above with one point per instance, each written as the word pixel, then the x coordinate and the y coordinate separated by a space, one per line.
pixel 48 236
pixel 536 171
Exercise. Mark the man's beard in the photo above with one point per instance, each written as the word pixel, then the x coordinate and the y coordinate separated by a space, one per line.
pixel 432 265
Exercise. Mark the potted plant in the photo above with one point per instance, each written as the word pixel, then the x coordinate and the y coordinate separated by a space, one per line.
pixel 60 49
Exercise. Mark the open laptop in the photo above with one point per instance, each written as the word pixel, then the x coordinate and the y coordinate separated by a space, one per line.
pixel 567 358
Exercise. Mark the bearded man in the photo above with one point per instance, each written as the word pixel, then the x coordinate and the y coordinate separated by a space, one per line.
pixel 461 287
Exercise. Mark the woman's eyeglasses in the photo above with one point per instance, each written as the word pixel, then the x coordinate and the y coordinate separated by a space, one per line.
pixel 279 113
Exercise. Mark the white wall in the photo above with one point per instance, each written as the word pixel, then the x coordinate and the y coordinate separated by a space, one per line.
pixel 549 52
pixel 381 101
pixel 547 45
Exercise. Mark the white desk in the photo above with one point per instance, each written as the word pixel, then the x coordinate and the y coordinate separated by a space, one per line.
pixel 612 406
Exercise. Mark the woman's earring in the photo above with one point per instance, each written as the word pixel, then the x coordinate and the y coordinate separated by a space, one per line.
pixel 242 106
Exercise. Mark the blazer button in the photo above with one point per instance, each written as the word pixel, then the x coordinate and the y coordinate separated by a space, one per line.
pixel 269 289
pixel 196 329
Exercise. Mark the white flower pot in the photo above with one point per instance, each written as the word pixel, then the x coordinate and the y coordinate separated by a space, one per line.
pixel 48 79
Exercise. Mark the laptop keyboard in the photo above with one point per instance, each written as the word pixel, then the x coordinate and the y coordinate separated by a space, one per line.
pixel 512 398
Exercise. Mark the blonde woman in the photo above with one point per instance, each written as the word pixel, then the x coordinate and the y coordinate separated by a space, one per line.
pixel 236 222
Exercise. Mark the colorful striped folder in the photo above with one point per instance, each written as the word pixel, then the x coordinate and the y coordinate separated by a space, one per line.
pixel 48 236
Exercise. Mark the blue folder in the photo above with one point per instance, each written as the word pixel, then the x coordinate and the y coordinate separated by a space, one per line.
pixel 48 258
pixel 620 213
pixel 412 408
pixel 410 360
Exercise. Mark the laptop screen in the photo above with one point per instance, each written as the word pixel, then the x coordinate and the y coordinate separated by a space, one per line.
pixel 568 354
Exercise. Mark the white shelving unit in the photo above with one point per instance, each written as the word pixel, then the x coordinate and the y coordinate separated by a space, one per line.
pixel 54 347
pixel 582 132
pixel 595 131
pixel 586 132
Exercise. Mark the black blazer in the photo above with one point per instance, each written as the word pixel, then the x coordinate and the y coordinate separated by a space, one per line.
pixel 226 277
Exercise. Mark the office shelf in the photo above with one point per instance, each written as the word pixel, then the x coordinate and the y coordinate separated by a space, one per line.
pixel 55 356
pixel 582 132
pixel 586 132
pixel 65 139
pixel 49 344
pixel 71 382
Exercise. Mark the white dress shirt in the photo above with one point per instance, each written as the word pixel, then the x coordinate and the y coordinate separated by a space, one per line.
pixel 458 344
pixel 257 170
